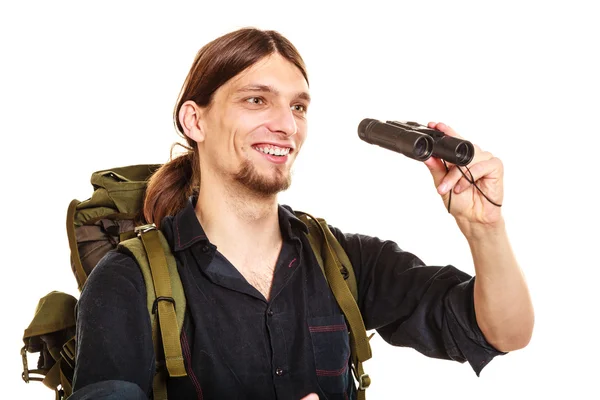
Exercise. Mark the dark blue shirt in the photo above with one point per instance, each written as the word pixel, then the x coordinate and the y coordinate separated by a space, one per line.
pixel 238 345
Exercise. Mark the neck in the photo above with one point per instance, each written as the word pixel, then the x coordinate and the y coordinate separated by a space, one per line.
pixel 235 218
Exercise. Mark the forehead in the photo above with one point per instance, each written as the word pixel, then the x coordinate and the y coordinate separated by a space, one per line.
pixel 274 71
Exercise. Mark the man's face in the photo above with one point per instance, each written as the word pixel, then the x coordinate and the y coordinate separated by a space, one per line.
pixel 256 126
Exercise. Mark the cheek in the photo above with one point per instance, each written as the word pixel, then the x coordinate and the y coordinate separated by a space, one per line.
pixel 245 149
pixel 301 136
pixel 241 143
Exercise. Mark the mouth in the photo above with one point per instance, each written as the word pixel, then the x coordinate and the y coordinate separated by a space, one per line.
pixel 277 154
pixel 273 150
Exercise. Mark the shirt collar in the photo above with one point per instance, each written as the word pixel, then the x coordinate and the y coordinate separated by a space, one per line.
pixel 289 221
pixel 187 230
pixel 186 227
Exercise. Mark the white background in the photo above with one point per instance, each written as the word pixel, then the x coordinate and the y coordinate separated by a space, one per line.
pixel 87 86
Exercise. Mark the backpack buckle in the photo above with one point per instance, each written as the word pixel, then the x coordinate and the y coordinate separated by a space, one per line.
pixel 364 382
pixel 162 298
pixel 139 230
pixel 26 374
pixel 68 352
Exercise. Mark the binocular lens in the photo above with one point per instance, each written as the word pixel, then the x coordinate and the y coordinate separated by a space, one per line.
pixel 463 153
pixel 422 148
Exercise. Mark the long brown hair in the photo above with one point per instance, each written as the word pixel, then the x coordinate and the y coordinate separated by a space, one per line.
pixel 217 62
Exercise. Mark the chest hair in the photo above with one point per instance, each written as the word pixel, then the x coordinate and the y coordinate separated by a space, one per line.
pixel 259 271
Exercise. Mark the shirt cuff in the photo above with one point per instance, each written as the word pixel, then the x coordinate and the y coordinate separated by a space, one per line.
pixel 463 334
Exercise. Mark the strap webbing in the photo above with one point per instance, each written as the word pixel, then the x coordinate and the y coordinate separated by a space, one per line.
pixel 159 382
pixel 159 385
pixel 67 388
pixel 363 381
pixel 52 379
pixel 56 378
pixel 342 259
pixel 80 274
pixel 164 304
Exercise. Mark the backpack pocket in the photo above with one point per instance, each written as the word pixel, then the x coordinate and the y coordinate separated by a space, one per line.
pixel 331 349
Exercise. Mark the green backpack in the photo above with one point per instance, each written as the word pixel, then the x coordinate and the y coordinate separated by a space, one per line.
pixel 111 218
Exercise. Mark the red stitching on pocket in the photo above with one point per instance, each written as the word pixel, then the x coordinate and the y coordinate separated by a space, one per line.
pixel 325 372
pixel 326 328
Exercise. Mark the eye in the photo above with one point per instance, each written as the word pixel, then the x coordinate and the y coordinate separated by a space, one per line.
pixel 255 100
pixel 299 107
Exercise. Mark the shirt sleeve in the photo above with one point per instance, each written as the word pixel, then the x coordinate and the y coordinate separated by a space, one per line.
pixel 410 304
pixel 114 337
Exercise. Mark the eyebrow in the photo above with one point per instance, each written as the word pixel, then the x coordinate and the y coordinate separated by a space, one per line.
pixel 270 89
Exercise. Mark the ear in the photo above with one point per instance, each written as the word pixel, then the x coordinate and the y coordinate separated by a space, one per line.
pixel 190 118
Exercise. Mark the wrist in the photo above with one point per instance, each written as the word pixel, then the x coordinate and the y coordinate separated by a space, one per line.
pixel 482 231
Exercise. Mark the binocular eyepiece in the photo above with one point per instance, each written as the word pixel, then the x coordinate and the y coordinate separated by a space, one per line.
pixel 416 141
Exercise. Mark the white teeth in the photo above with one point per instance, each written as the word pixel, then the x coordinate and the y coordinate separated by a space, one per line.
pixel 277 151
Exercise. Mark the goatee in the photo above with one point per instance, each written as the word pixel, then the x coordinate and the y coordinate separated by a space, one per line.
pixel 261 185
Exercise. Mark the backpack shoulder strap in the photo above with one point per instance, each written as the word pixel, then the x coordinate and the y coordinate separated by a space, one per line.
pixel 316 228
pixel 165 296
pixel 80 274
pixel 339 273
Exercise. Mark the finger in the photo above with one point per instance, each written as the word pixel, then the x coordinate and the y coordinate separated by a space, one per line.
pixel 436 168
pixel 463 183
pixel 479 156
pixel 455 177
pixel 431 125
pixel 449 180
pixel 482 156
pixel 479 171
pixel 440 126
pixel 312 396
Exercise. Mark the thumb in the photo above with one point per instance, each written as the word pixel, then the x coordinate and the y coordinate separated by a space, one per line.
pixel 312 396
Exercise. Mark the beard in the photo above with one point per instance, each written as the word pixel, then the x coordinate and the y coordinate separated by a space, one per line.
pixel 263 186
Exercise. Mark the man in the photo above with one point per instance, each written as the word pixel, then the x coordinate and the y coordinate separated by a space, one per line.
pixel 261 321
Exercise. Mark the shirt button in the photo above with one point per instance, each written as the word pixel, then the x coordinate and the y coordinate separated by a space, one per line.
pixel 278 372
pixel 270 313
pixel 205 248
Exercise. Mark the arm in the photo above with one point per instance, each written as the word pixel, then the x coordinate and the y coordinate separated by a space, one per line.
pixel 410 304
pixel 114 339
pixel 502 301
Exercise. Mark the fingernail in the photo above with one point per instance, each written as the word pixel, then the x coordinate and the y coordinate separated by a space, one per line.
pixel 442 188
pixel 456 188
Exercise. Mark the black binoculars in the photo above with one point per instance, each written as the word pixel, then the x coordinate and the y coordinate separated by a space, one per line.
pixel 416 141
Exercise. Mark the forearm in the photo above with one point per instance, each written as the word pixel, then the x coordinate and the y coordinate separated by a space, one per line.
pixel 502 302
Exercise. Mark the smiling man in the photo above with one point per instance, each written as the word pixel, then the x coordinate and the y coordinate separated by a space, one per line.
pixel 261 321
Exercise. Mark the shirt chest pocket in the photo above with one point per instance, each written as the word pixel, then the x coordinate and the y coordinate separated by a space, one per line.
pixel 331 348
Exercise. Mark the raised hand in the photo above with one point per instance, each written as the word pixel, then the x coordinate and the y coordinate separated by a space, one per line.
pixel 468 205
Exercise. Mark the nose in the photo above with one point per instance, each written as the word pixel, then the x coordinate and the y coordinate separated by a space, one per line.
pixel 283 121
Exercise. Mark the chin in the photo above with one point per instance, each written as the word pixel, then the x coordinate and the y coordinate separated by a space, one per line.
pixel 265 184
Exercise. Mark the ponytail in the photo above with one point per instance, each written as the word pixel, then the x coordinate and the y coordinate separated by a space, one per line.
pixel 170 187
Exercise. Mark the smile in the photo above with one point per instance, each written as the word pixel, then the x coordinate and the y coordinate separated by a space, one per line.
pixel 273 150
